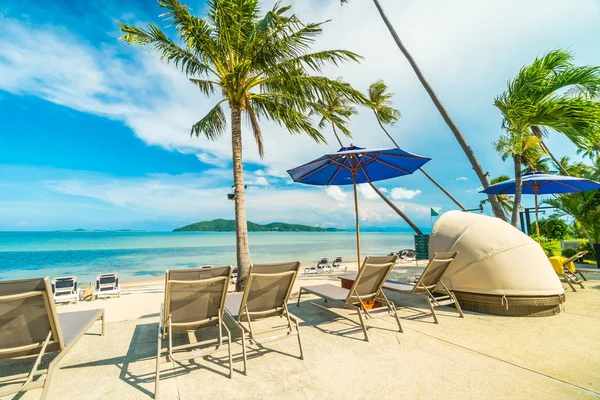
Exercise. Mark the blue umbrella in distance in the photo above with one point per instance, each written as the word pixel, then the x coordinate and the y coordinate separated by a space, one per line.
pixel 537 183
pixel 353 165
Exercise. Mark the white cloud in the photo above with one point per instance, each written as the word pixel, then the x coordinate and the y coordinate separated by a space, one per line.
pixel 367 191
pixel 400 193
pixel 336 193
pixel 261 181
pixel 208 158
pixel 462 178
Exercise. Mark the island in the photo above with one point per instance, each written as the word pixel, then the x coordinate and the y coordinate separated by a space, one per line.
pixel 228 225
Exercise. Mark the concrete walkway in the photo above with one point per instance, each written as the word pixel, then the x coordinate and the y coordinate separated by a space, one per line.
pixel 478 357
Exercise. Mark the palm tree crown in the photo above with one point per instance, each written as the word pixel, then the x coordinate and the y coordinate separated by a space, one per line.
pixel 551 93
pixel 261 65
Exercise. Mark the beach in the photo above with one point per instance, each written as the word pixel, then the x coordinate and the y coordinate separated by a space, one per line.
pixel 480 356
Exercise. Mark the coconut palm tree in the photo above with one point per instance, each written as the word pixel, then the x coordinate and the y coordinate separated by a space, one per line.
pixel 336 111
pixel 551 93
pixel 505 200
pixel 262 66
pixel 381 104
pixel 481 174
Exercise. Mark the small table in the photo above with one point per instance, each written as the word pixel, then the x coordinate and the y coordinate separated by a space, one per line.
pixel 348 281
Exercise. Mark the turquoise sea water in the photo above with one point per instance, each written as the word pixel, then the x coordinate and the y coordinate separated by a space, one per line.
pixel 144 255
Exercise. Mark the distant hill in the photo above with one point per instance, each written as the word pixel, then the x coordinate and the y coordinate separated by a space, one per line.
pixel 228 225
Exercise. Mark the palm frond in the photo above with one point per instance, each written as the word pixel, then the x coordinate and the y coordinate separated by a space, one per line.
pixel 255 130
pixel 212 125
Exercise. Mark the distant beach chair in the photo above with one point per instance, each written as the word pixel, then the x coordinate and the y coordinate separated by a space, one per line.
pixel 407 255
pixel 107 285
pixel 323 265
pixel 194 300
pixel 31 328
pixel 234 275
pixel 267 292
pixel 366 287
pixel 429 285
pixel 65 289
pixel 566 269
pixel 336 265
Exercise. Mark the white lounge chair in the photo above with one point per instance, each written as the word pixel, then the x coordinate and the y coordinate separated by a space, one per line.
pixel 65 289
pixel 107 285
pixel 323 266
pixel 336 265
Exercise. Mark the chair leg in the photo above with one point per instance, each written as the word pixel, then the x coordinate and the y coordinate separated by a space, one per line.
pixel 362 324
pixel 299 295
pixel 569 283
pixel 244 350
pixel 47 380
pixel 103 322
pixel 229 348
pixel 582 275
pixel 460 311
pixel 299 341
pixel 157 377
pixel 432 310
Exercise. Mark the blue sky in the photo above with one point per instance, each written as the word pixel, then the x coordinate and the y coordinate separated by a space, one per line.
pixel 95 133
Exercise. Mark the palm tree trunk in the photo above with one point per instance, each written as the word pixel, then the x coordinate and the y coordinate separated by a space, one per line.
pixel 398 211
pixel 422 170
pixel 457 134
pixel 241 225
pixel 518 190
pixel 554 160
pixel 539 134
pixel 336 135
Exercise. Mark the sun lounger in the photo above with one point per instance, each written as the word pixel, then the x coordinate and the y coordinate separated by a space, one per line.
pixel 107 285
pixel 582 271
pixel 566 270
pixel 321 267
pixel 366 287
pixel 30 328
pixel 194 300
pixel 65 289
pixel 266 295
pixel 336 265
pixel 429 285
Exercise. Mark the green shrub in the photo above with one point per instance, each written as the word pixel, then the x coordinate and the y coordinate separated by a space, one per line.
pixel 553 228
pixel 568 252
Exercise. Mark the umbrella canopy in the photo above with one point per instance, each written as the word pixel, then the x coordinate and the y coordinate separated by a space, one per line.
pixel 539 183
pixel 353 165
pixel 357 165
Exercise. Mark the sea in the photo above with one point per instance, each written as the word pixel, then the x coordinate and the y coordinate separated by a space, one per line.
pixel 147 255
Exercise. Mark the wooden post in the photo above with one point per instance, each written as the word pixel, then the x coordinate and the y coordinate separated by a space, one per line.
pixel 537 225
pixel 356 214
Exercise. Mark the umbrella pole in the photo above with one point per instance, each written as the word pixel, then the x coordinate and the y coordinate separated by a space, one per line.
pixel 356 215
pixel 537 225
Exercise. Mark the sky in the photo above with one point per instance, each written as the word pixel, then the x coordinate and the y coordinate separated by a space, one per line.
pixel 96 134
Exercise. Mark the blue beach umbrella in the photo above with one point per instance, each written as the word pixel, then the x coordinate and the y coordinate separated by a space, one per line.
pixel 537 183
pixel 353 165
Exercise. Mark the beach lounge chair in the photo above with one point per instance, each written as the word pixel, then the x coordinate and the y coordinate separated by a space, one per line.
pixel 65 289
pixel 30 329
pixel 429 285
pixel 582 271
pixel 194 300
pixel 366 287
pixel 107 285
pixel 336 265
pixel 323 266
pixel 569 271
pixel 267 292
